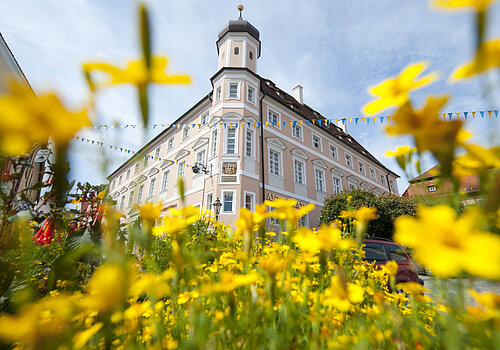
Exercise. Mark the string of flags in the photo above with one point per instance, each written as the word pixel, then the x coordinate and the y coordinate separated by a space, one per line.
pixel 319 122
pixel 126 150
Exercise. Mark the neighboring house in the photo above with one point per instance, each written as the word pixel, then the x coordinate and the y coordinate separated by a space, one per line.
pixel 30 175
pixel 259 142
pixel 428 184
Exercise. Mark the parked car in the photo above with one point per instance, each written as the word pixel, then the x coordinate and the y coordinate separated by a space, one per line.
pixel 381 251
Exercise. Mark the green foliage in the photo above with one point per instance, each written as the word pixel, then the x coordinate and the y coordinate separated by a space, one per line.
pixel 389 207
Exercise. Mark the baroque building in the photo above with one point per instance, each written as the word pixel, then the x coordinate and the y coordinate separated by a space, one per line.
pixel 255 141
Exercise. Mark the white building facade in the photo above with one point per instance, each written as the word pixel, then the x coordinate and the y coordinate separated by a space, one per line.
pixel 256 141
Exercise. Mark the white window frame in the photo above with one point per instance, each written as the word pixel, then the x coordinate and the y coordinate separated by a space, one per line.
pixel 303 163
pixel 130 199
pixel 204 158
pixel 209 203
pixel 164 180
pixel 382 179
pixel 140 193
pixel 204 119
pixel 320 139
pixel 151 191
pixel 280 162
pixel 157 152
pixel 373 174
pixel 122 202
pixel 278 122
pixel 181 168
pixel 146 160
pixel 238 85
pixel 128 174
pixel 252 203
pixel 337 189
pixel 170 143
pixel 252 143
pixel 306 223
pixel 273 221
pixel 233 205
pixel 336 151
pixel 226 139
pixel 433 187
pixel 352 185
pixel 300 129
pixel 391 185
pixel 254 89
pixel 361 167
pixel 218 93
pixel 185 132
pixel 213 145
pixel 323 182
pixel 351 160
pixel 120 180
pixel 136 168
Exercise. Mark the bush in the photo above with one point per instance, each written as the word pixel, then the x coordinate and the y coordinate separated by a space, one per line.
pixel 389 207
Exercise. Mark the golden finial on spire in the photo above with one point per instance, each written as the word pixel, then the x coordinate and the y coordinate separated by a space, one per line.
pixel 240 8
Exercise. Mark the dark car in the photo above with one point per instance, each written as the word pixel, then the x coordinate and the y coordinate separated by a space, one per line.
pixel 381 251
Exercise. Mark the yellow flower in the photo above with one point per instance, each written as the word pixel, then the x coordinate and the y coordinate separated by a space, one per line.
pixel 149 212
pixel 81 338
pixel 26 119
pixel 177 220
pixel 391 268
pixel 430 132
pixel 229 282
pixel 475 160
pixel 402 154
pixel 137 73
pixel 487 57
pixel 342 295
pixel 395 91
pixel 245 221
pixel 273 264
pixel 447 245
pixel 478 5
pixel 364 214
pixel 413 288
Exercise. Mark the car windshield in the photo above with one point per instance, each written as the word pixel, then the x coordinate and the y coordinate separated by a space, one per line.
pixel 374 251
pixel 396 253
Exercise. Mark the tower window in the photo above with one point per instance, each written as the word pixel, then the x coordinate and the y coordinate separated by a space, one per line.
pixel 250 55
pixel 236 50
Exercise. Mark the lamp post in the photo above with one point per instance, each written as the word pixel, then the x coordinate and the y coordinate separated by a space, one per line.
pixel 217 204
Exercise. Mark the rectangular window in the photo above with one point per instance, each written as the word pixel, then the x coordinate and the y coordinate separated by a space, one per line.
pixel 391 184
pixel 249 201
pixel 432 188
pixel 251 94
pixel 218 93
pixel 273 118
pixel 298 170
pixel 128 174
pixel 157 152
pixel 164 182
pixel 228 198
pixel 297 131
pixel 372 174
pixel 136 169
pixel 333 152
pixel 210 200
pixel 352 186
pixel 146 160
pixel 320 180
pixel 204 119
pixel 113 184
pixel 170 144
pixel 214 143
pixel 274 221
pixel 122 202
pixel 337 185
pixel 274 163
pixel 249 143
pixel 152 188
pixel 181 169
pixel 200 157
pixel 231 140
pixel 130 199
pixel 303 221
pixel 233 90
pixel 382 179
pixel 348 160
pixel 139 195
pixel 120 180
pixel 185 133
pixel 361 167
pixel 316 142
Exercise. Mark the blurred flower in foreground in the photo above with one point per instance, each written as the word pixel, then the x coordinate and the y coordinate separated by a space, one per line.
pixel 228 282
pixel 26 119
pixel 402 154
pixel 149 212
pixel 447 245
pixel 476 159
pixel 342 295
pixel 176 221
pixel 137 73
pixel 395 91
pixel 487 57
pixel 478 5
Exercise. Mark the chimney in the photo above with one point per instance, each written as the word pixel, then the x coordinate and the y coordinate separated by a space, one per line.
pixel 342 124
pixel 298 94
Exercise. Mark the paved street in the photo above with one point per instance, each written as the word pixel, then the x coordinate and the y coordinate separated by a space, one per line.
pixel 451 286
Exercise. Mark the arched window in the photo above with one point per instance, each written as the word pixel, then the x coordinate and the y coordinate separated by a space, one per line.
pixel 250 55
pixel 236 50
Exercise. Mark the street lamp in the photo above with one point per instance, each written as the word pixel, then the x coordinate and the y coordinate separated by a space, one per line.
pixel 217 204
pixel 198 167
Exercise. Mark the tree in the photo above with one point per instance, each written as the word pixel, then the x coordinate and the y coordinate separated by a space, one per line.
pixel 389 207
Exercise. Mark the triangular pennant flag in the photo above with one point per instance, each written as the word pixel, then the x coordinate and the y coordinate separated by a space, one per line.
pixel 374 119
pixel 255 124
pixel 284 123
pixel 343 121
pixel 465 114
pixel 496 112
pixel 77 138
pixel 368 120
pixel 356 120
pixel 350 119
pixel 458 115
pixel 314 121
pixel 489 112
pixel 307 122
pixel 473 115
pixel 482 114
pixel 236 125
pixel 363 119
pixel 266 123
pixel 121 149
pixel 319 122
pixel 389 119
pixel 300 122
pixel 381 120
pixel 259 124
pixel 93 141
pixel 444 115
pixel 449 115
pixel 116 148
pixel 248 123
pixel 88 140
pixel 336 121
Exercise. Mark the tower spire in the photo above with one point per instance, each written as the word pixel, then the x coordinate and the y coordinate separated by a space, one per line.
pixel 240 8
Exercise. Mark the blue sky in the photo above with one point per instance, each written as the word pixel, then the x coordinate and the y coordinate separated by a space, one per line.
pixel 334 49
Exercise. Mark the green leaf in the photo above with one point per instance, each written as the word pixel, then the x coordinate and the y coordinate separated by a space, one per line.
pixel 145 35
pixel 79 239
pixel 143 102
